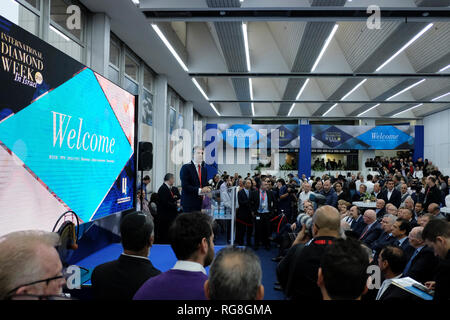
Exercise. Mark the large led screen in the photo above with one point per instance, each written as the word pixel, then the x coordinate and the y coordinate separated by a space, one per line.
pixel 66 137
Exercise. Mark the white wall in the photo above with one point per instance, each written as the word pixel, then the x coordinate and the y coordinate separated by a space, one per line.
pixel 437 140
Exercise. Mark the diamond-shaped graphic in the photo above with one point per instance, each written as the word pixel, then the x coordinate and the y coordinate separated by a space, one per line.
pixel 385 138
pixel 71 139
pixel 332 136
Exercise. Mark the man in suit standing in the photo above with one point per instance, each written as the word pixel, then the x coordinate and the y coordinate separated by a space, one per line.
pixel 263 204
pixel 168 208
pixel 432 194
pixel 392 195
pixel 372 230
pixel 121 278
pixel 422 264
pixel 194 181
pixel 244 215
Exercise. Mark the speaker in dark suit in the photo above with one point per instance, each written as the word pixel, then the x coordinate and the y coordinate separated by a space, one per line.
pixel 244 215
pixel 168 197
pixel 395 198
pixel 193 176
pixel 422 265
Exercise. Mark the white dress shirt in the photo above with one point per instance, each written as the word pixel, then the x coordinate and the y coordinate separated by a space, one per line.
pixel 189 266
pixel 386 283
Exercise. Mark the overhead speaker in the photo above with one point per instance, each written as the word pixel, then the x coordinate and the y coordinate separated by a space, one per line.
pixel 145 156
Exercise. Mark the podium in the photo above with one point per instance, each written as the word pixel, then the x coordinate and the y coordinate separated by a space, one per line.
pixel 221 205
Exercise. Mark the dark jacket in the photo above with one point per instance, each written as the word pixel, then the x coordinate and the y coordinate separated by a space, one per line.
pixel 255 201
pixel 167 211
pixel 423 266
pixel 358 225
pixel 303 269
pixel 244 212
pixel 331 196
pixel 190 183
pixel 372 234
pixel 121 278
pixel 396 197
pixel 432 195
pixel 383 240
pixel 442 278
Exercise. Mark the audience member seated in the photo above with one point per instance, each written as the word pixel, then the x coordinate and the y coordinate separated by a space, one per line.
pixel 424 219
pixel 435 210
pixel 404 193
pixel 391 209
pixel 30 265
pixel 372 230
pixel 386 237
pixel 407 214
pixel 358 223
pixel 191 237
pixel 409 204
pixel 341 193
pixel 422 264
pixel 235 274
pixel 400 230
pixel 121 278
pixel 297 272
pixel 377 191
pixel 380 209
pixel 358 196
pixel 418 209
pixel 343 271
pixel 392 262
pixel 437 236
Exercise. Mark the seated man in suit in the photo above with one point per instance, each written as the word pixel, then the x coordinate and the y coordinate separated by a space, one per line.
pixel 343 271
pixel 194 181
pixel 392 262
pixel 121 278
pixel 377 191
pixel 192 241
pixel 263 203
pixel 392 195
pixel 358 223
pixel 386 238
pixel 407 214
pixel 400 230
pixel 422 264
pixel 372 230
pixel 168 209
pixel 437 236
pixel 380 209
pixel 359 194
pixel 244 215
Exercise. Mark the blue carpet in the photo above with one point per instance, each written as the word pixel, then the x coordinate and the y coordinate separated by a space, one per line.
pixel 164 259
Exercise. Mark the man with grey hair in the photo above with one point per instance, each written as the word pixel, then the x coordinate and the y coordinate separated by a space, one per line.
pixel 30 264
pixel 372 230
pixel 422 264
pixel 235 274
pixel 386 238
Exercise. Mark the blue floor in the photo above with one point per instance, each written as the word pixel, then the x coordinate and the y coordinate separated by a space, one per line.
pixel 164 259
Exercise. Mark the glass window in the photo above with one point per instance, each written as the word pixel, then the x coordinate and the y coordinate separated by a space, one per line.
pixel 148 79
pixel 34 3
pixel 113 75
pixel 131 68
pixel 130 86
pixel 147 108
pixel 59 15
pixel 114 54
pixel 28 20
pixel 65 44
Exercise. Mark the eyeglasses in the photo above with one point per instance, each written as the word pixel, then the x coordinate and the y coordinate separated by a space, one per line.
pixel 38 297
pixel 47 281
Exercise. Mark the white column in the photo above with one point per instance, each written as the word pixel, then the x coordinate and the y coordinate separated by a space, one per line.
pixel 365 154
pixel 160 132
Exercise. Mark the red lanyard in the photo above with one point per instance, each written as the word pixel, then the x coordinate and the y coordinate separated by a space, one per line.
pixel 263 197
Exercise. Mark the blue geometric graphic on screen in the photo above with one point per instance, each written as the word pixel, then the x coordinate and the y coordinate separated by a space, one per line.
pixel 80 184
pixel 354 143
pixel 286 133
pixel 332 136
pixel 240 136
pixel 109 204
pixel 384 137
pixel 5 112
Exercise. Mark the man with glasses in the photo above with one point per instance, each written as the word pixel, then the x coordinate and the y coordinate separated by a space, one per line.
pixel 30 265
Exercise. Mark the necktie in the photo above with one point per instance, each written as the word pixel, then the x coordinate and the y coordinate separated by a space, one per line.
pixel 408 265
pixel 364 233
pixel 200 175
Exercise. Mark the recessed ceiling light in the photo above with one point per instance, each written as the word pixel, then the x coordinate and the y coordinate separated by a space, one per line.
pixel 247 50
pixel 371 108
pixel 416 106
pixel 169 46
pixel 406 89
pixel 354 89
pixel 444 95
pixel 332 107
pixel 325 46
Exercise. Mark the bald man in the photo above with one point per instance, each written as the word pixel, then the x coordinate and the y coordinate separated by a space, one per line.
pixel 297 272
pixel 373 229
